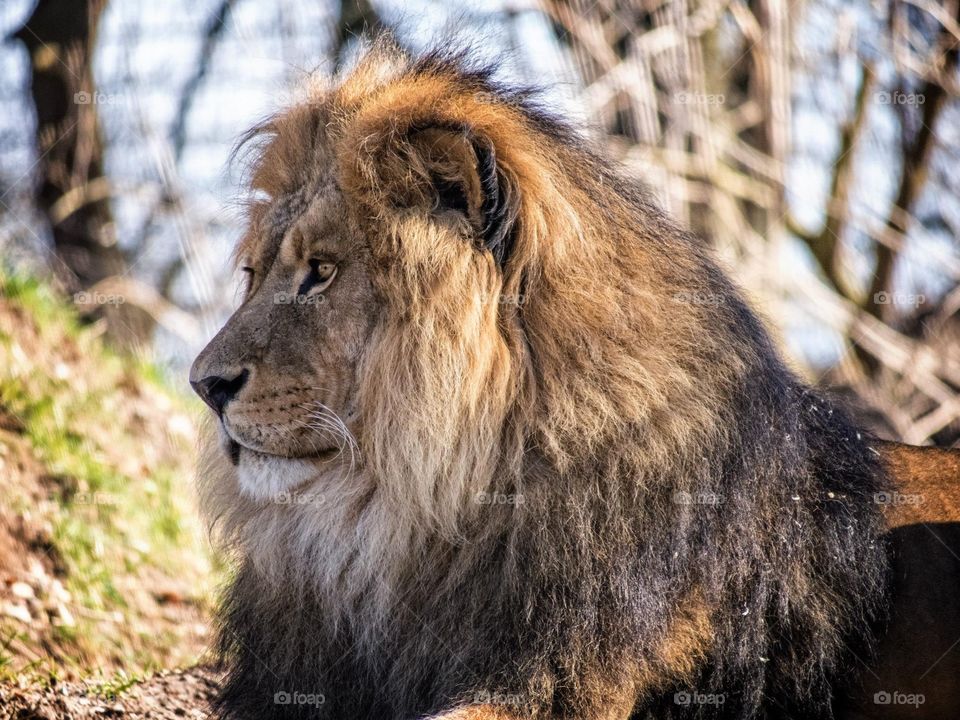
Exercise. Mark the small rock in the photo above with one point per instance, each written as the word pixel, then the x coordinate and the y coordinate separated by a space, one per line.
pixel 58 592
pixel 65 616
pixel 22 590
pixel 17 612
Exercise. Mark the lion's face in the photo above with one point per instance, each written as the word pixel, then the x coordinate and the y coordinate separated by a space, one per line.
pixel 426 281
pixel 281 374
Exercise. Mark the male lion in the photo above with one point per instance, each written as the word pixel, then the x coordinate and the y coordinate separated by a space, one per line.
pixel 499 440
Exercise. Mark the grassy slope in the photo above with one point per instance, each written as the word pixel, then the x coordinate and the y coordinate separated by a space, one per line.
pixel 102 562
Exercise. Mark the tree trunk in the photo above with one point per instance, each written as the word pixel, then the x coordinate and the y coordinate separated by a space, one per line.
pixel 72 190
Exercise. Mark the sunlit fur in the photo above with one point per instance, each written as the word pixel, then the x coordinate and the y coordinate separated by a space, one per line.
pixel 584 480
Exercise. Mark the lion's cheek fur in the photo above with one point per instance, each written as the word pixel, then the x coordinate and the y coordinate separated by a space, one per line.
pixel 437 383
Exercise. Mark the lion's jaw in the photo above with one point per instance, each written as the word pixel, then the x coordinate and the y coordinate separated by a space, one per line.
pixel 262 477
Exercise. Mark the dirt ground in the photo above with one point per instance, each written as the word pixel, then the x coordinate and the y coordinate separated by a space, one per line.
pixel 166 696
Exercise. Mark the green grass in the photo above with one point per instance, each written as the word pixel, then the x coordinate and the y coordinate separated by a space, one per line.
pixel 115 686
pixel 120 498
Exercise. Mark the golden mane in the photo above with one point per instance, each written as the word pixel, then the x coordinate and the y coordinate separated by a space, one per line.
pixel 549 336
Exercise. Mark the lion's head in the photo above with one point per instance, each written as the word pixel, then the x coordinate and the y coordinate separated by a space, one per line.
pixel 452 301
pixel 428 297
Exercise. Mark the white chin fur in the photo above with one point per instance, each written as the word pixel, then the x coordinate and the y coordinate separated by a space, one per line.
pixel 265 477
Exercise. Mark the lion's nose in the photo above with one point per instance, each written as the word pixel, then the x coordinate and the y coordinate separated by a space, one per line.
pixel 218 391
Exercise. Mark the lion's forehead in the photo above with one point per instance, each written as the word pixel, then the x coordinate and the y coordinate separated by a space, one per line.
pixel 317 207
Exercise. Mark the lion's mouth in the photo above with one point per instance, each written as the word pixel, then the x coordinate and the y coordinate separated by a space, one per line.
pixel 234 448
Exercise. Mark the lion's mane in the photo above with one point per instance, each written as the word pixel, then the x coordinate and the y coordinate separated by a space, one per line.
pixel 603 484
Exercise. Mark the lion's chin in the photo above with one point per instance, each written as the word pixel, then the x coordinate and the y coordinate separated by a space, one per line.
pixel 268 478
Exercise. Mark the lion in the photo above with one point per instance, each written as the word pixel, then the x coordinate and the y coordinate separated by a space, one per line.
pixel 499 440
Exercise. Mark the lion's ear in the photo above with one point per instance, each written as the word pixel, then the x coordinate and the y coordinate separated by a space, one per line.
pixel 452 169
pixel 464 176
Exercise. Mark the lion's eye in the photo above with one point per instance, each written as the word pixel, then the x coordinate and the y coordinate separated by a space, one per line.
pixel 249 273
pixel 319 277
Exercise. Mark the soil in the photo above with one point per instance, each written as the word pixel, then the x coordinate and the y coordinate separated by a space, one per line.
pixel 169 695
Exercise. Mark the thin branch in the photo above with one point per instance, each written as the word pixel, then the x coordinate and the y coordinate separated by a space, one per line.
pixel 824 245
pixel 211 37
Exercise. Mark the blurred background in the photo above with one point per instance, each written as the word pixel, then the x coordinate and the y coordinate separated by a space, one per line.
pixel 814 143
